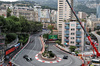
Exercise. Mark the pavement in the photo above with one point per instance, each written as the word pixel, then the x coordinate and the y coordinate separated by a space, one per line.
pixel 33 48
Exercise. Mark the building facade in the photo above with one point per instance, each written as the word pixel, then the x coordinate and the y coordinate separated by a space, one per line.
pixel 82 15
pixel 53 16
pixel 41 15
pixel 98 12
pixel 45 15
pixel 45 24
pixel 73 34
pixel 92 22
pixel 37 12
pixel 64 13
pixel 27 12
pixel 3 9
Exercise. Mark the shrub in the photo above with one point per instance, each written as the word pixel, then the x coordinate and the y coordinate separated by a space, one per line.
pixel 58 42
pixel 76 52
pixel 51 54
pixel 48 54
pixel 45 36
pixel 72 48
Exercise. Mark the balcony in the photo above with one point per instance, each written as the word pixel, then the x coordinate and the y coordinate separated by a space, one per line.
pixel 77 23
pixel 78 32
pixel 67 27
pixel 78 27
pixel 78 45
pixel 78 40
pixel 67 40
pixel 78 36
pixel 66 32
pixel 66 23
pixel 66 35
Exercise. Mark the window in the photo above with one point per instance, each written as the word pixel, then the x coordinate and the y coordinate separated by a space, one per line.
pixel 60 26
pixel 72 29
pixel 60 14
pixel 78 35
pixel 72 42
pixel 78 30
pixel 72 25
pixel 67 25
pixel 72 33
pixel 60 7
pixel 60 3
pixel 72 37
pixel 60 18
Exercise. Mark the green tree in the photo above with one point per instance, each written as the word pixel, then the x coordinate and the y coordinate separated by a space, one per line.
pixel 8 12
pixel 14 18
pixel 10 25
pixel 2 21
pixel 72 48
pixel 50 27
pixel 17 27
pixel 10 37
pixel 59 42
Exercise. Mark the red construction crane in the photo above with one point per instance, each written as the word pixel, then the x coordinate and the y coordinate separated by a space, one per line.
pixel 89 38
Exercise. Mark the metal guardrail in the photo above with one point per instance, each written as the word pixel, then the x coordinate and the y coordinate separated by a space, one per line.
pixel 13 43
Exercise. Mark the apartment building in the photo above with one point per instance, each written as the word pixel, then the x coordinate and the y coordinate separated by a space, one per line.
pixel 41 15
pixel 73 34
pixel 27 12
pixel 53 16
pixel 64 13
pixel 37 12
pixel 45 15
pixel 98 11
pixel 3 9
pixel 92 22
pixel 45 24
pixel 82 15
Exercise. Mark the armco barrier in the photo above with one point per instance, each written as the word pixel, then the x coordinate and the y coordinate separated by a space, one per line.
pixel 21 49
pixel 43 45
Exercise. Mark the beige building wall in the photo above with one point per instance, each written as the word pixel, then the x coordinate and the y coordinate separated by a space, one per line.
pixel 3 13
pixel 23 11
pixel 82 15
pixel 63 14
pixel 71 32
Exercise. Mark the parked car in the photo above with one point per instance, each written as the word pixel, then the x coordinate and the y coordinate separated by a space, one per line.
pixel 65 57
pixel 27 58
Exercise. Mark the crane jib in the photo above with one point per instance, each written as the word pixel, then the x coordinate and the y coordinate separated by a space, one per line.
pixel 89 38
